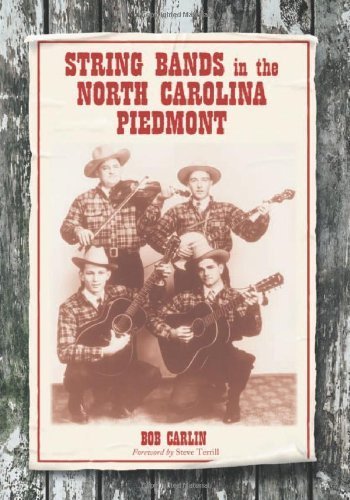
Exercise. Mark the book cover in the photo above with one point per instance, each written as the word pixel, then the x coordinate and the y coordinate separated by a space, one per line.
pixel 172 250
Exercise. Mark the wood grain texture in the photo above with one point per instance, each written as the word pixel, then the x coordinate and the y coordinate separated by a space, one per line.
pixel 332 471
pixel 287 481
pixel 180 485
pixel 225 484
pixel 232 15
pixel 73 485
pixel 179 16
pixel 286 16
pixel 73 16
pixel 17 20
pixel 133 485
pixel 115 16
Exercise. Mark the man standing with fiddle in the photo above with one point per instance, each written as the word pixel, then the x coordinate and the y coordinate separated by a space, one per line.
pixel 126 390
pixel 226 363
pixel 126 232
pixel 203 214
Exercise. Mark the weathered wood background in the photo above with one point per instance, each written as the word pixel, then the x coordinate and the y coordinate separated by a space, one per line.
pixel 330 22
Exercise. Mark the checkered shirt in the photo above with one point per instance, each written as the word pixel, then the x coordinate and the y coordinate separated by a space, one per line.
pixel 245 320
pixel 76 312
pixel 216 223
pixel 127 229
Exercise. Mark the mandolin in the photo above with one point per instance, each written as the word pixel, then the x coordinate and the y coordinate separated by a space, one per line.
pixel 210 328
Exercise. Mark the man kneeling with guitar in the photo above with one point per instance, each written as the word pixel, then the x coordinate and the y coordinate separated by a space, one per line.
pixel 199 350
pixel 85 360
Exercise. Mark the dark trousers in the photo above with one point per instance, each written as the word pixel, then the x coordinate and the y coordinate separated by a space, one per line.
pixel 130 271
pixel 128 389
pixel 189 279
pixel 227 365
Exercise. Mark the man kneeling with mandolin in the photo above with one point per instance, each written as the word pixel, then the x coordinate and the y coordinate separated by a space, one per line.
pixel 195 332
pixel 126 387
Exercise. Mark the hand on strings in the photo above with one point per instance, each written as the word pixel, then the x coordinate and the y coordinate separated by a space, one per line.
pixel 185 250
pixel 85 236
pixel 264 208
pixel 182 333
pixel 116 344
pixel 165 193
pixel 164 271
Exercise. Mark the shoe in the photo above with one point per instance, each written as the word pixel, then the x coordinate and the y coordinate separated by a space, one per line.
pixel 232 415
pixel 77 411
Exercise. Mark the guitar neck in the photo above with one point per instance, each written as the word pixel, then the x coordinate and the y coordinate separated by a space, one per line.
pixel 141 296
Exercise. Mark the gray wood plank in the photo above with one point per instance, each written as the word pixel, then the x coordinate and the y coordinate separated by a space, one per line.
pixel 73 485
pixel 73 16
pixel 17 20
pixel 332 470
pixel 287 481
pixel 232 15
pixel 179 16
pixel 238 482
pixel 115 16
pixel 179 485
pixel 132 15
pixel 286 16
pixel 128 485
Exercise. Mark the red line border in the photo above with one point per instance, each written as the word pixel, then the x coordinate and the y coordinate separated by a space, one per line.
pixel 40 42
pixel 308 254
pixel 38 242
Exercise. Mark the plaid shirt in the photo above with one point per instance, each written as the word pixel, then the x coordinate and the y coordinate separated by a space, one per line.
pixel 216 223
pixel 127 230
pixel 77 311
pixel 245 320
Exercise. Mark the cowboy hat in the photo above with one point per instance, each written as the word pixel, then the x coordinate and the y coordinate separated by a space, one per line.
pixel 96 256
pixel 202 250
pixel 103 153
pixel 185 172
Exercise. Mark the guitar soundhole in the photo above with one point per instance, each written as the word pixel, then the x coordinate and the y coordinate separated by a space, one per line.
pixel 122 323
pixel 198 327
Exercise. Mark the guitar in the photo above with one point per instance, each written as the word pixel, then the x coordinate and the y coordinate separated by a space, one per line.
pixel 191 236
pixel 122 316
pixel 210 328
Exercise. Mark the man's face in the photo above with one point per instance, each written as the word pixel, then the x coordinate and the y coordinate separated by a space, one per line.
pixel 210 272
pixel 94 278
pixel 199 184
pixel 109 172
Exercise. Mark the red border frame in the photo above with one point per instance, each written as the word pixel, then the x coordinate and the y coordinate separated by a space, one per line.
pixel 307 42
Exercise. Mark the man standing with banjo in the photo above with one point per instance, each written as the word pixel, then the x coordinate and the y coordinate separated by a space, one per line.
pixel 93 220
pixel 203 214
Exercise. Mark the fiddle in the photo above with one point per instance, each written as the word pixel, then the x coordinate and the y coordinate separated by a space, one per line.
pixel 142 197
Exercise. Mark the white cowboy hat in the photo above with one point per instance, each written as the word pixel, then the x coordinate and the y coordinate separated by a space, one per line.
pixel 103 153
pixel 202 250
pixel 96 256
pixel 185 172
